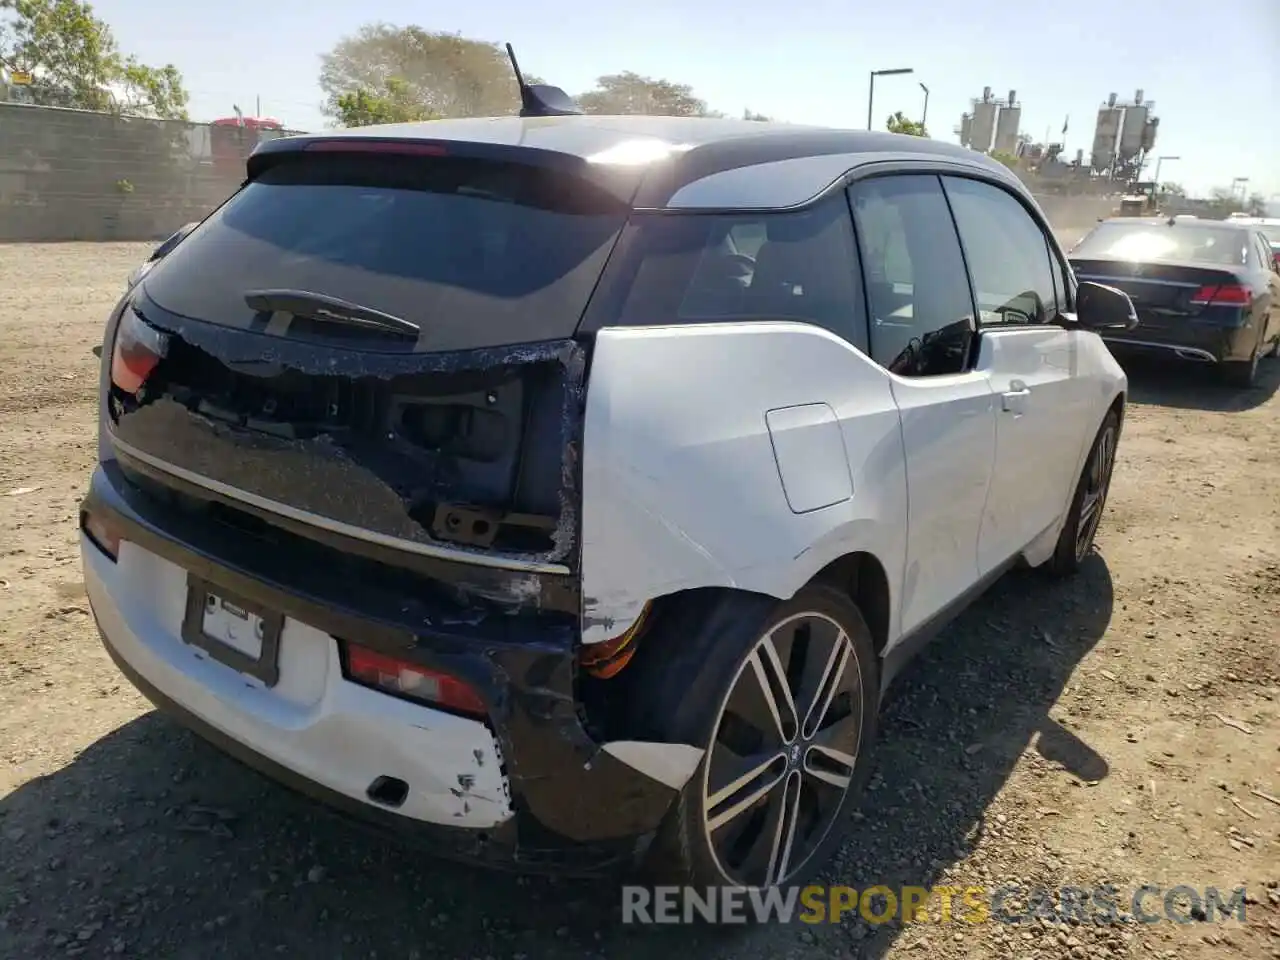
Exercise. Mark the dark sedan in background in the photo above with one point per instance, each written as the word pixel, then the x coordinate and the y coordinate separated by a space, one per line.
pixel 1204 290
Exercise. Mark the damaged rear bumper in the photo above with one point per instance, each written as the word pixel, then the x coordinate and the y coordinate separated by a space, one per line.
pixel 562 803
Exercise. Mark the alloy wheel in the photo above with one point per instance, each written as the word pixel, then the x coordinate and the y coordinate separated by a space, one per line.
pixel 1097 480
pixel 783 751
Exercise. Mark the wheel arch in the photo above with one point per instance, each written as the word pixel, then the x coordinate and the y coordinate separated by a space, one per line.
pixel 862 577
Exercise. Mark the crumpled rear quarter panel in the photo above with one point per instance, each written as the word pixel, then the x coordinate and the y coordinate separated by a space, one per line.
pixel 681 485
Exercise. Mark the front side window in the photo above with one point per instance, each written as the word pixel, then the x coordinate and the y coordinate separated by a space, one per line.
pixel 1007 252
pixel 922 321
pixel 704 268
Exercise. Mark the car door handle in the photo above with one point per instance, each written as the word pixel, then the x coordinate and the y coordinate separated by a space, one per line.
pixel 1014 400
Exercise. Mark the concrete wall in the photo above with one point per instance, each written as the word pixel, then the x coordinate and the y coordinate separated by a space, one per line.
pixel 1073 217
pixel 76 175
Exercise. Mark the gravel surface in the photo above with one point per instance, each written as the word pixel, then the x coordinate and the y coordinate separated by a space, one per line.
pixel 1122 728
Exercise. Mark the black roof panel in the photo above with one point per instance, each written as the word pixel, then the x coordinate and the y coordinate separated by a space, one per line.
pixel 659 155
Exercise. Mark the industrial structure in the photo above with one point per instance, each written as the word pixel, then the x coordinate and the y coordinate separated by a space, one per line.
pixel 1007 122
pixel 1123 137
pixel 991 124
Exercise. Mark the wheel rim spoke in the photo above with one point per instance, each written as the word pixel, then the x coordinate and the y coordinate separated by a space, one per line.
pixel 832 767
pixel 745 790
pixel 1099 478
pixel 784 837
pixel 774 688
pixel 784 751
pixel 832 673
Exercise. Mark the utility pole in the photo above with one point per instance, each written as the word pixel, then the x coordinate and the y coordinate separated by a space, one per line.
pixel 871 88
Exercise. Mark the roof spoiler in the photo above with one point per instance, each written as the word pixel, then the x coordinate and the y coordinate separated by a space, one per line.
pixel 540 99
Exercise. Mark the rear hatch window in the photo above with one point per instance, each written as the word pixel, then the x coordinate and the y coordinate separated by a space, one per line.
pixel 375 348
pixel 474 253
pixel 1158 243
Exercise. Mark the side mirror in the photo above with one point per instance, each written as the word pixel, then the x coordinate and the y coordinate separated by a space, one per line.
pixel 1104 309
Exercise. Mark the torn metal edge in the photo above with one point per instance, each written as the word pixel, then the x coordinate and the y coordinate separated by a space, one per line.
pixel 237 345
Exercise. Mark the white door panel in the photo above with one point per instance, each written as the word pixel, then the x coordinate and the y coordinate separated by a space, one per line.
pixel 949 435
pixel 1041 407
pixel 682 486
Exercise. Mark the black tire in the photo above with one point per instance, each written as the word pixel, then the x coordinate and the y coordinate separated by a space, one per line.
pixel 1076 539
pixel 1242 374
pixel 721 662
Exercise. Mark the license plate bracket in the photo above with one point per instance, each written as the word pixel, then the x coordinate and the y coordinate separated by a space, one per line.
pixel 237 632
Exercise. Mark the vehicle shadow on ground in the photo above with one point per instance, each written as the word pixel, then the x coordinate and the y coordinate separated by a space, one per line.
pixel 153 844
pixel 1195 386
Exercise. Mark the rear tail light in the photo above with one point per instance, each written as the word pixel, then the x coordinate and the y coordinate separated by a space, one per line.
pixel 138 349
pixel 105 535
pixel 1226 294
pixel 411 681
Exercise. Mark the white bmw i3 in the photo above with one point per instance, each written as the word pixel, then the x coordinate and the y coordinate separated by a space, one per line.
pixel 566 490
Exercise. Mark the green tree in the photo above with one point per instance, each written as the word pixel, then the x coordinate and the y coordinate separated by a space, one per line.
pixel 630 93
pixel 1224 201
pixel 1008 159
pixel 1173 189
pixel 898 123
pixel 1256 205
pixel 445 74
pixel 752 115
pixel 361 108
pixel 74 61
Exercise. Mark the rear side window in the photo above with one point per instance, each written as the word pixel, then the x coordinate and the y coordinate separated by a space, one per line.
pixel 1007 253
pixel 922 321
pixel 476 253
pixel 1163 243
pixel 704 268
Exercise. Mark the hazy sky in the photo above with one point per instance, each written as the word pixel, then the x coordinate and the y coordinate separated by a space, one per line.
pixel 1212 68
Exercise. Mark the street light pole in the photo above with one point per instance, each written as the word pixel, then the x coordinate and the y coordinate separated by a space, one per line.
pixel 871 87
pixel 1160 160
pixel 924 113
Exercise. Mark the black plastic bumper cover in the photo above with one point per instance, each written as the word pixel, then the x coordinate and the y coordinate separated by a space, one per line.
pixel 578 809
pixel 1223 344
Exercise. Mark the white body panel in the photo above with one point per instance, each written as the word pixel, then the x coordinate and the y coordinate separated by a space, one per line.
pixel 681 486
pixel 949 433
pixel 331 731
pixel 696 436
pixel 1042 410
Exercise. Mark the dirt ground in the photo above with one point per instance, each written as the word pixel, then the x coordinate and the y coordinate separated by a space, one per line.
pixel 1121 728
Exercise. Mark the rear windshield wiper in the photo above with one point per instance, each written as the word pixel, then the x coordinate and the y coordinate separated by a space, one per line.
pixel 317 306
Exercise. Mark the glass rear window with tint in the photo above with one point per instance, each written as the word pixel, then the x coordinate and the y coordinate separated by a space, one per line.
pixel 1161 243
pixel 476 253
pixel 704 268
